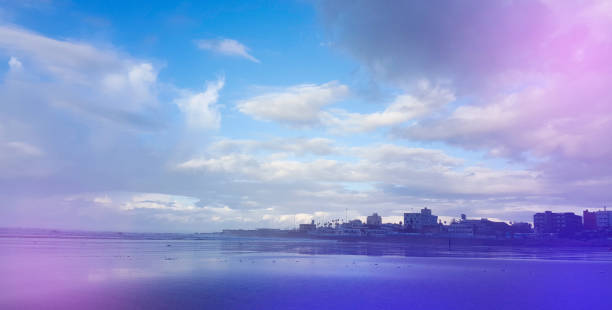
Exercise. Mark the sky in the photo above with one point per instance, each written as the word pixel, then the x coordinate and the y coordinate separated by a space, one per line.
pixel 165 116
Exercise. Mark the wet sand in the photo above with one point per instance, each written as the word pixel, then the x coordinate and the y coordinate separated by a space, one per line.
pixel 235 273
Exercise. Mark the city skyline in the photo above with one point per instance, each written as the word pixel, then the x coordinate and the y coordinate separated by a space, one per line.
pixel 204 116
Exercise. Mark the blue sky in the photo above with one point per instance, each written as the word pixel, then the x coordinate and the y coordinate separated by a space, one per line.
pixel 198 116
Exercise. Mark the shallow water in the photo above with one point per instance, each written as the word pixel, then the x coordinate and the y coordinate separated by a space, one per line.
pixel 258 273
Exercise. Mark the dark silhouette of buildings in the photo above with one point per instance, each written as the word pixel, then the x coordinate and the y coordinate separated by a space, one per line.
pixel 590 221
pixel 521 228
pixel 548 222
pixel 597 220
pixel 308 227
pixel 374 220
pixel 547 225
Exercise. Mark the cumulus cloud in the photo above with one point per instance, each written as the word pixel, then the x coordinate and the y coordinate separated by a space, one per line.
pixel 545 121
pixel 532 77
pixel 71 104
pixel 298 105
pixel 80 118
pixel 405 107
pixel 78 77
pixel 532 83
pixel 305 105
pixel 200 109
pixel 226 47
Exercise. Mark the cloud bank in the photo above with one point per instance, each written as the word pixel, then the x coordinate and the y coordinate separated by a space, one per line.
pixel 491 108
pixel 533 77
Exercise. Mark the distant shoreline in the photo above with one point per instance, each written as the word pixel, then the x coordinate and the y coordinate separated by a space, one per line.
pixel 417 240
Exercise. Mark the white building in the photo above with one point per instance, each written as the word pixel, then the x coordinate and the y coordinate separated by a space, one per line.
pixel 416 221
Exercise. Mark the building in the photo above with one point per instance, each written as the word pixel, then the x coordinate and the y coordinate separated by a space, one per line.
pixel 481 227
pixel 461 228
pixel 356 223
pixel 308 227
pixel 589 220
pixel 521 228
pixel 492 228
pixel 597 220
pixel 374 220
pixel 603 219
pixel 548 222
pixel 392 229
pixel 419 221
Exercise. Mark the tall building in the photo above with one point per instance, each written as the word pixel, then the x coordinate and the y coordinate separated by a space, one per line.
pixel 560 223
pixel 418 221
pixel 374 219
pixel 597 220
pixel 589 220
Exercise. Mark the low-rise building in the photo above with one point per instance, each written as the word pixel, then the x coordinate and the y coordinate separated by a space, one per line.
pixel 461 228
pixel 354 223
pixel 481 227
pixel 521 228
pixel 308 227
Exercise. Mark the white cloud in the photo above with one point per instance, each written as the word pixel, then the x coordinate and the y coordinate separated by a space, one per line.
pixel 468 122
pixel 416 169
pixel 200 109
pixel 159 201
pixel 295 146
pixel 298 105
pixel 248 167
pixel 247 183
pixel 418 157
pixel 22 155
pixel 541 121
pixel 404 108
pixel 84 79
pixel 227 47
pixel 14 64
pixel 103 200
pixel 25 148
pixel 303 105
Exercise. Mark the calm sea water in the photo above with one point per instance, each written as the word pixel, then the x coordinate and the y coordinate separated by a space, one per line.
pixel 37 272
